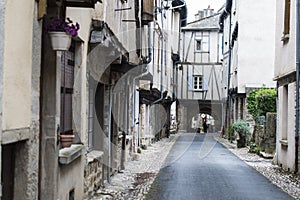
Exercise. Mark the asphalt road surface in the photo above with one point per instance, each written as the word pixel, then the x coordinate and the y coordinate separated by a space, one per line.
pixel 198 167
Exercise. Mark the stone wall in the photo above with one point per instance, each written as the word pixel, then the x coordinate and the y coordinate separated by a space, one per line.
pixel 258 134
pixel 93 173
pixel 265 135
pixel 269 143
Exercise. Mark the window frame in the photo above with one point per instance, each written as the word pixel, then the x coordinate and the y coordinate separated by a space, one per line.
pixel 198 82
pixel 286 21
pixel 204 39
pixel 91 115
pixel 197 42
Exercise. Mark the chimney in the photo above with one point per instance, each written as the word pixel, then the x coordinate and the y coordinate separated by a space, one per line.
pixel 204 13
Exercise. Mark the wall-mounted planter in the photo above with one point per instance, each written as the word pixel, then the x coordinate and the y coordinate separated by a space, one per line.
pixel 68 155
pixel 60 41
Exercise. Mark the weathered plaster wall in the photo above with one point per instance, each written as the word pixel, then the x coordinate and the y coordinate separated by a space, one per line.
pixel 21 56
pixel 51 73
pixel 286 130
pixel 17 62
pixel 29 156
pixel 270 133
pixel 256 49
pixel 285 63
pixel 71 177
pixel 2 15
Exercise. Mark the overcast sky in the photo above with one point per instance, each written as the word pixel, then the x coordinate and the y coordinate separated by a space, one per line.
pixel 194 5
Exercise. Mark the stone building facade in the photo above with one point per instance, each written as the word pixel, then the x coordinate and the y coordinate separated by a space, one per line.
pixel 198 73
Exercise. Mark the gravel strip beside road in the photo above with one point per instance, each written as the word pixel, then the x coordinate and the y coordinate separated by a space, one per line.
pixel 287 181
pixel 135 181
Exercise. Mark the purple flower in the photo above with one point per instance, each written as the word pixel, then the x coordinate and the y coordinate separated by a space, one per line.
pixel 64 25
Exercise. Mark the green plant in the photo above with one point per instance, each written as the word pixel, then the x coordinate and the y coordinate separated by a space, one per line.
pixel 257 150
pixel 266 101
pixel 230 132
pixel 261 101
pixel 254 148
pixel 241 127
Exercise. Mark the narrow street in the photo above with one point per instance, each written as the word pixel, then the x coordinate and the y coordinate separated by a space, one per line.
pixel 149 100
pixel 197 167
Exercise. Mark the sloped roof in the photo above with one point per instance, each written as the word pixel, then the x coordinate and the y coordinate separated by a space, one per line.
pixel 207 23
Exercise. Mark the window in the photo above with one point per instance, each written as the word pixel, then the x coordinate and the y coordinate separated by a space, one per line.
pixel 198 82
pixel 285 114
pixel 202 42
pixel 67 82
pixel 287 13
pixel 91 113
pixel 198 45
pixel 95 103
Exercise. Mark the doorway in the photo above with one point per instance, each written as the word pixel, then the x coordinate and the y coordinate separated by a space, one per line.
pixel 8 171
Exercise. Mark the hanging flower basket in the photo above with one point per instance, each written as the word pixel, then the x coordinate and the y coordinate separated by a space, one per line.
pixel 60 41
pixel 61 32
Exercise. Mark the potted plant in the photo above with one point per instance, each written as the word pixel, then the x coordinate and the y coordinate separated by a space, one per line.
pixel 66 140
pixel 241 128
pixel 61 32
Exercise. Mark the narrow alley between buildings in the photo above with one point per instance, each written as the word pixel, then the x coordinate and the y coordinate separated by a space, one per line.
pixel 149 99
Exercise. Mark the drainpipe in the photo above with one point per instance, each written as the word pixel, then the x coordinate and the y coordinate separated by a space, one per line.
pixel 277 122
pixel 297 85
pixel 228 74
pixel 109 133
pixel 138 28
pixel 147 62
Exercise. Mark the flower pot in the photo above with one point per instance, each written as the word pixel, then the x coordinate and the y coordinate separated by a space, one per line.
pixel 60 41
pixel 66 140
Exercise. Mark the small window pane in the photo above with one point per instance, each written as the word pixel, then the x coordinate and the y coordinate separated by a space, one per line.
pixel 198 45
pixel 198 82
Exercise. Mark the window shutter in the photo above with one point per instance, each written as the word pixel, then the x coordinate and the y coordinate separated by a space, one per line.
pixel 147 11
pixel 67 82
pixel 42 8
pixel 190 83
pixel 68 113
pixel 205 84
pixel 287 14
